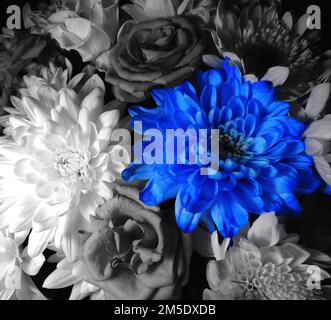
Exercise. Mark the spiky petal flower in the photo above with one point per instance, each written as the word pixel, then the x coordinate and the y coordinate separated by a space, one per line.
pixel 263 264
pixel 57 164
pixel 262 156
pixel 259 37
pixel 17 50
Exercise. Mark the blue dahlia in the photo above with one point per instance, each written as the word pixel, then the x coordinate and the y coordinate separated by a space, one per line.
pixel 262 159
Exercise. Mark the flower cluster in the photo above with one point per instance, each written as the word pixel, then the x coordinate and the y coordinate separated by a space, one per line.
pixel 228 150
pixel 265 263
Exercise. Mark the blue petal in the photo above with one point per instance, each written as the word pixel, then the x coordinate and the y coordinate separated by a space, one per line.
pixel 264 92
pixel 229 216
pixel 214 78
pixel 279 108
pixel 230 89
pixel 250 123
pixel 138 172
pixel 185 219
pixel 226 115
pixel 291 202
pixel 237 106
pixel 208 98
pixel 258 146
pixel 159 190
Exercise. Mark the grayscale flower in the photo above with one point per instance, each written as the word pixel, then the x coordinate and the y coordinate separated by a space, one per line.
pixel 318 133
pixel 141 10
pixel 89 27
pixel 154 53
pixel 265 263
pixel 257 36
pixel 17 51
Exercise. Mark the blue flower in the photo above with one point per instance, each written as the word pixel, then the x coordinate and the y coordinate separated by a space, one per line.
pixel 262 163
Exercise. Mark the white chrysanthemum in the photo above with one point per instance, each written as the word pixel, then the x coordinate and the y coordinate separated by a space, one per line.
pixel 264 264
pixel 58 162
pixel 318 134
pixel 15 266
pixel 72 274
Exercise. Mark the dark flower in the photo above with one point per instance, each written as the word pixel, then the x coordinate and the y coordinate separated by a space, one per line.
pixel 155 53
pixel 153 9
pixel 260 38
pixel 18 49
pixel 133 254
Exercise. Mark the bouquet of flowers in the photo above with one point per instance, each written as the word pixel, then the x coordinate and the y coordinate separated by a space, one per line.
pixel 149 143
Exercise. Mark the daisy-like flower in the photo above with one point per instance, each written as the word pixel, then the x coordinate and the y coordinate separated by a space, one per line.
pixel 15 268
pixel 265 264
pixel 17 51
pixel 57 161
pixel 262 160
pixel 257 37
pixel 317 136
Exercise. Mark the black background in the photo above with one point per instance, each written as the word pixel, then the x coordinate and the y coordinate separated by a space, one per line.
pixel 198 282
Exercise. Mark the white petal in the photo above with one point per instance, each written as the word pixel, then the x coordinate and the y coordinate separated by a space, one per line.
pixel 288 20
pixel 323 168
pixel 75 80
pixel 20 237
pixel 217 273
pixel 71 241
pixel 45 218
pixel 317 100
pixel 94 103
pixel 94 82
pixel 21 218
pixel 320 130
pixel 38 242
pixel 219 250
pixel 298 254
pixel 251 78
pixel 97 43
pixel 84 121
pixel 68 99
pixel 6 294
pixel 60 279
pixel 79 27
pixel 32 266
pixel 108 119
pixel 103 189
pixel 137 13
pixel 317 147
pixel 234 58
pixel 88 203
pixel 301 26
pixel 159 8
pixel 265 231
pixel 28 290
pixel 82 290
pixel 277 75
